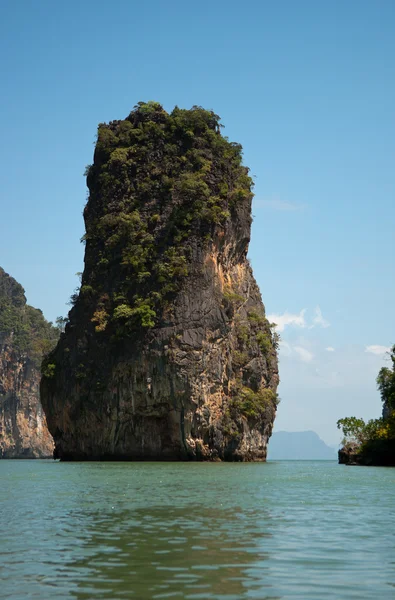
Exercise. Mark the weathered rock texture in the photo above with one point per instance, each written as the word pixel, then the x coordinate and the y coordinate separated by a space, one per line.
pixel 349 455
pixel 375 453
pixel 167 354
pixel 24 334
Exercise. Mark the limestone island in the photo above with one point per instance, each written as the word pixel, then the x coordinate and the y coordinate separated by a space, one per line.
pixel 167 353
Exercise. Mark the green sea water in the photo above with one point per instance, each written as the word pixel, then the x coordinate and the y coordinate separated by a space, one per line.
pixel 196 531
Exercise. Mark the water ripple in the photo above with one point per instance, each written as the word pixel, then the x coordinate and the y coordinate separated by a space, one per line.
pixel 196 531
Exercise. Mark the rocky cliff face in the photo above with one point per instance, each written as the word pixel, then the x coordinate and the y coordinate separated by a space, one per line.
pixel 375 453
pixel 24 336
pixel 167 353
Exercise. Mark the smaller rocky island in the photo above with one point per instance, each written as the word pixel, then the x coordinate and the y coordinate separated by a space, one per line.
pixel 25 336
pixel 372 443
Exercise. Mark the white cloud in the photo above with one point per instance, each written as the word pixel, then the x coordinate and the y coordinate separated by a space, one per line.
pixel 304 355
pixel 276 204
pixel 376 349
pixel 295 352
pixel 298 320
pixel 285 348
pixel 330 349
pixel 318 319
pixel 288 319
pixel 315 394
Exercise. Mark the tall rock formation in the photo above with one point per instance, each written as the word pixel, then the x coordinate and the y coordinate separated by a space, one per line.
pixel 24 336
pixel 167 353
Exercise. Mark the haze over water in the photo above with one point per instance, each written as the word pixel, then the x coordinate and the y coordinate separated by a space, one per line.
pixel 196 531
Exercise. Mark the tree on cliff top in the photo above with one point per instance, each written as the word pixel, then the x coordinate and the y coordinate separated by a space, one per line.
pixel 22 325
pixel 377 435
pixel 386 384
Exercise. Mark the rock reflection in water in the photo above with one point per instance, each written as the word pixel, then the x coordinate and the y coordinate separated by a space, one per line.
pixel 297 530
pixel 169 553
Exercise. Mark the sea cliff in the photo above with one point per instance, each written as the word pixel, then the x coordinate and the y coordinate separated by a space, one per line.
pixel 24 337
pixel 167 354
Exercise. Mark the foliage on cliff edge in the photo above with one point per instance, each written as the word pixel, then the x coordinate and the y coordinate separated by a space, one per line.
pixel 21 325
pixel 374 442
pixel 158 181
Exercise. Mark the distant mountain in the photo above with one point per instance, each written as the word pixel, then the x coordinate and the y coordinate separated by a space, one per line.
pixel 299 445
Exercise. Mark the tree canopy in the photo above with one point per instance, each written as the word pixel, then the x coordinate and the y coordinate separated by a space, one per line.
pixel 376 436
pixel 386 383
pixel 22 325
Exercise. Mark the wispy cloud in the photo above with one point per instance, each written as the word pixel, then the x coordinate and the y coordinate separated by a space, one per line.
pixel 318 319
pixel 298 320
pixel 280 205
pixel 304 355
pixel 330 349
pixel 376 349
pixel 288 319
pixel 295 352
pixel 317 393
pixel 285 348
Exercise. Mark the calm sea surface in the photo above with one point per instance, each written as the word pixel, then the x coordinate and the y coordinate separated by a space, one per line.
pixel 196 531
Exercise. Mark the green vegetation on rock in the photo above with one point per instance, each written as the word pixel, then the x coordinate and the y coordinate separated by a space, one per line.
pixel 373 442
pixel 167 351
pixel 386 385
pixel 21 325
pixel 157 181
pixel 264 341
pixel 254 404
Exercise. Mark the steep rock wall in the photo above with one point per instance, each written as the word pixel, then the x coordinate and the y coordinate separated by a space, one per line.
pixel 24 334
pixel 23 428
pixel 168 354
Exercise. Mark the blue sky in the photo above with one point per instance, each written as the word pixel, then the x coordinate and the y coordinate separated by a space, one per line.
pixel 307 87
